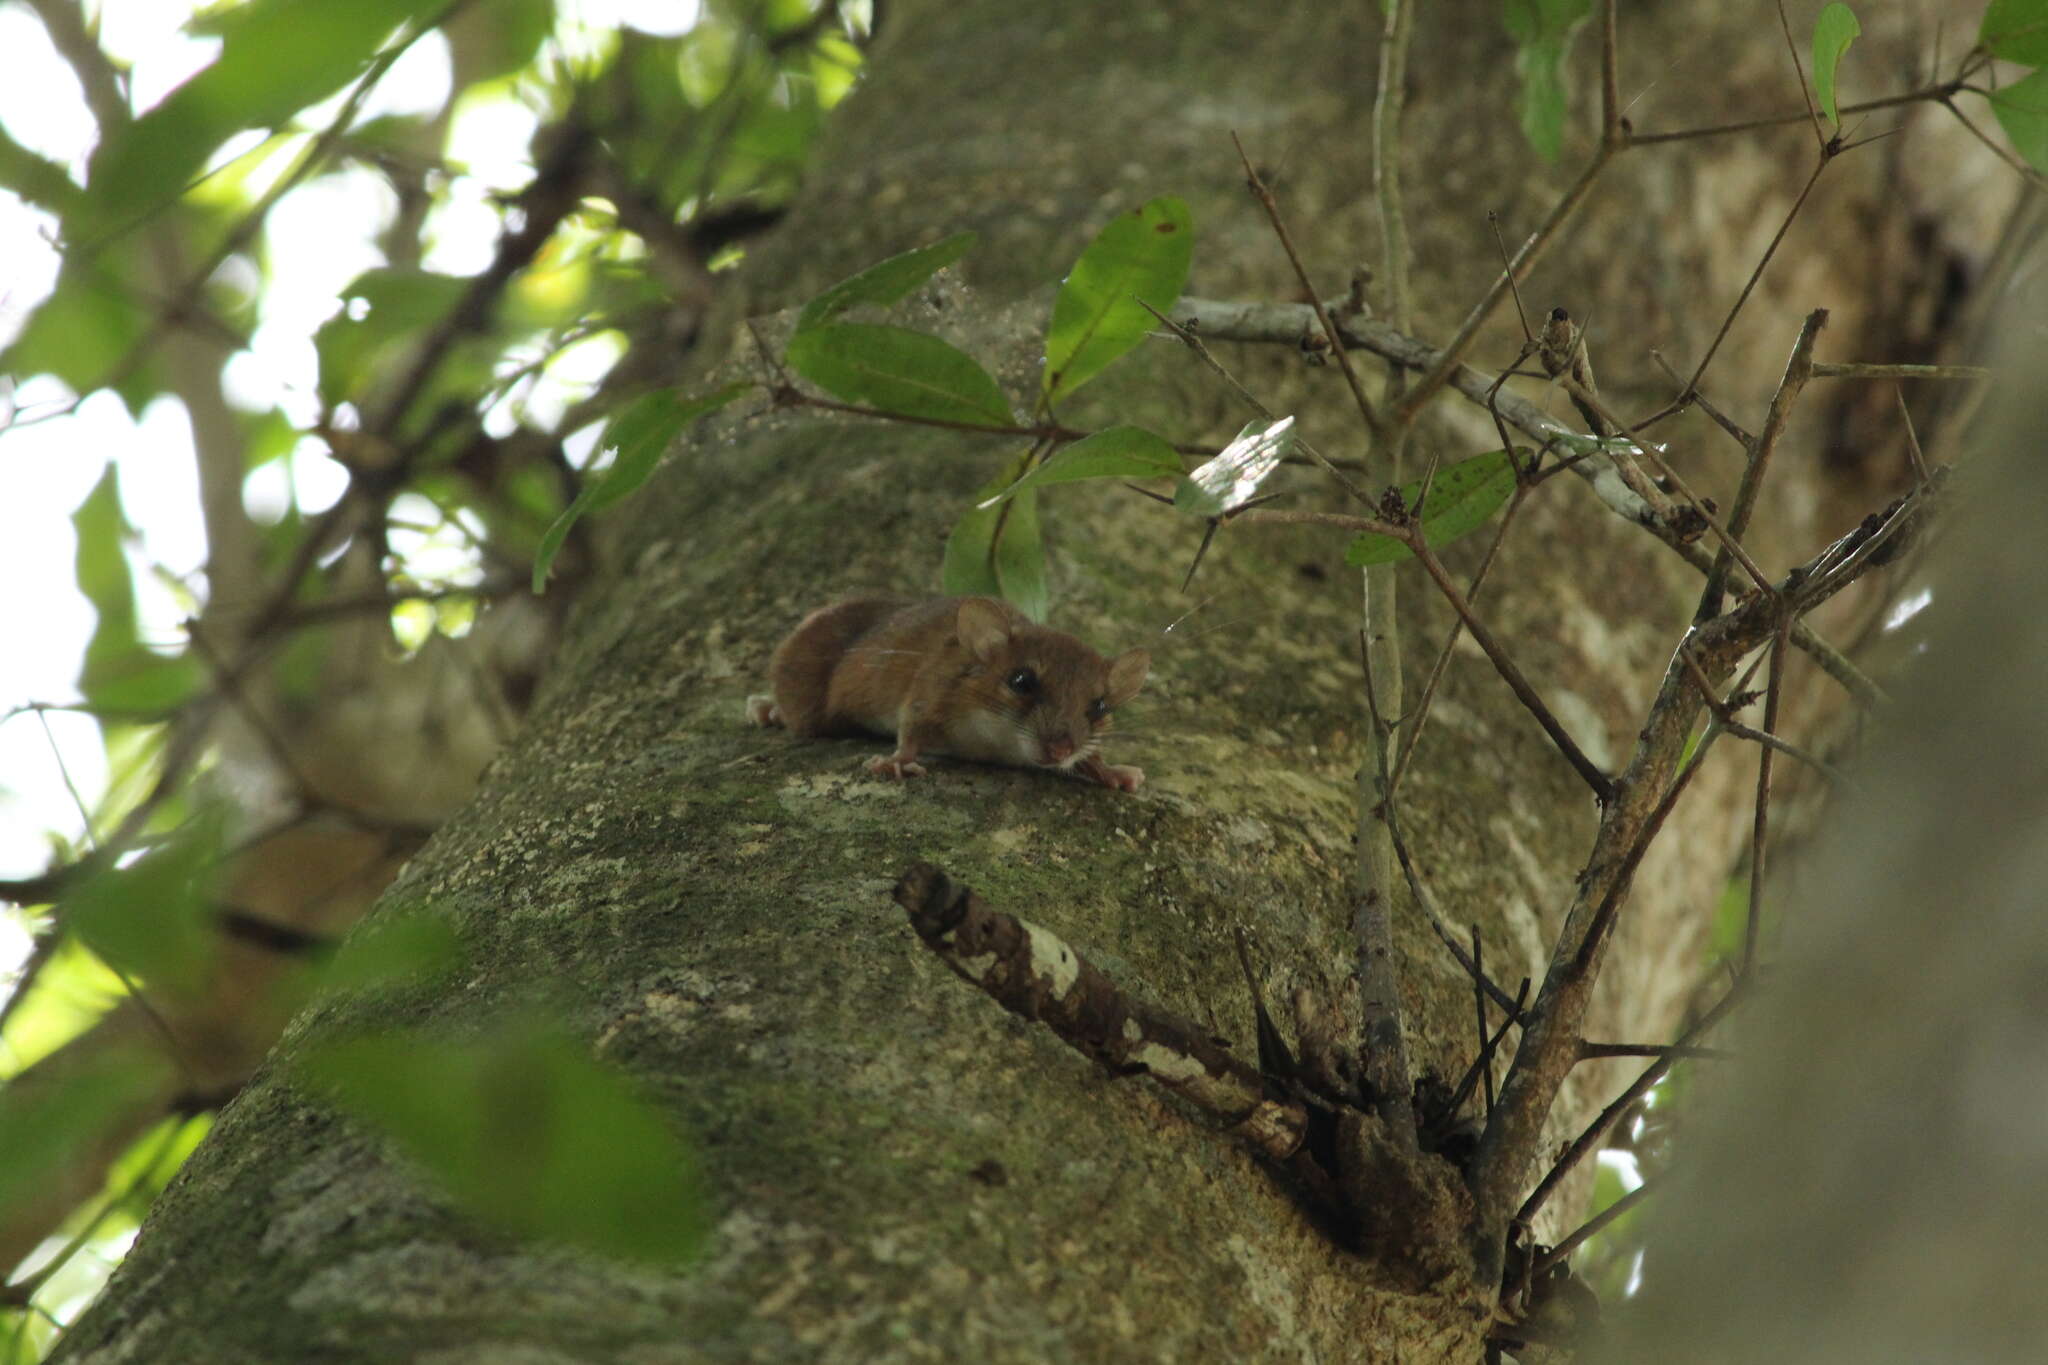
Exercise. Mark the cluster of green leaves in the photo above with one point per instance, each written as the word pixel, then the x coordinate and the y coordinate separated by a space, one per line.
pixel 1108 303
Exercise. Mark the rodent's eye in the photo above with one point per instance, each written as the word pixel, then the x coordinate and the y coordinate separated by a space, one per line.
pixel 1097 709
pixel 1023 681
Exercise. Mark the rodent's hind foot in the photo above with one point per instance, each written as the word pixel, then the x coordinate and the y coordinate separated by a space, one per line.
pixel 896 765
pixel 762 710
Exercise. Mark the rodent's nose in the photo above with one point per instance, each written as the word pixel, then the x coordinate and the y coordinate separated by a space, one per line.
pixel 1059 750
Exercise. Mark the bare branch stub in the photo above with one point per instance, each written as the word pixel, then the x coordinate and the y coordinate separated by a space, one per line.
pixel 1035 975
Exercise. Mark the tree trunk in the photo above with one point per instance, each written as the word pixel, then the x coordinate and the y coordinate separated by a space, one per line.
pixel 896 1169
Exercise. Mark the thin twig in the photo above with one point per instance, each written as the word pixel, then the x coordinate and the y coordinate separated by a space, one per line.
pixel 1511 673
pixel 1293 516
pixel 1760 829
pixel 1595 1051
pixel 1721 419
pixel 1418 718
pixel 1420 891
pixel 1640 1087
pixel 2021 168
pixel 1756 274
pixel 1479 1009
pixel 1557 1254
pixel 1193 341
pixel 1913 451
pixel 1451 357
pixel 1805 93
pixel 1826 371
pixel 1798 369
pixel 1933 93
pixel 1330 331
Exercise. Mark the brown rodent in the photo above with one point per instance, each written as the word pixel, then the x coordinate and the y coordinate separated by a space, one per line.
pixel 972 677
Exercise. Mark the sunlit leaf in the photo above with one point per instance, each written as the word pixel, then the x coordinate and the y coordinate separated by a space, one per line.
pixel 900 371
pixel 1542 32
pixel 995 549
pixel 639 435
pixel 528 1135
pixel 1233 477
pixel 885 282
pixel 277 57
pixel 2016 31
pixel 1117 453
pixel 1833 31
pixel 1461 498
pixel 70 994
pixel 1140 255
pixel 2022 110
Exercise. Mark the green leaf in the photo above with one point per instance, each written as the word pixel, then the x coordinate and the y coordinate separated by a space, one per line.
pixel 104 577
pixel 1542 32
pixel 900 371
pixel 386 309
pixel 277 57
pixel 1461 498
pixel 497 39
pixel 48 1116
pixel 1833 31
pixel 1731 919
pixel 1117 453
pixel 153 919
pixel 995 549
pixel 2022 110
pixel 2016 31
pixel 886 282
pixel 82 331
pixel 37 180
pixel 527 1135
pixel 639 435
pixel 1097 317
pixel 1233 477
pixel 391 950
pixel 119 674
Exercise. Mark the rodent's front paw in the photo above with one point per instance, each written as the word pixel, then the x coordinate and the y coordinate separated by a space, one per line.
pixel 1122 777
pixel 898 768
pixel 762 710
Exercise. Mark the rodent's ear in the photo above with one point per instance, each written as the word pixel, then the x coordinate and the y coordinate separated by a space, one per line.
pixel 1127 674
pixel 983 626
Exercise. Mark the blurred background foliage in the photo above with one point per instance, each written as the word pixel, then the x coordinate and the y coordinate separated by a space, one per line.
pixel 523 211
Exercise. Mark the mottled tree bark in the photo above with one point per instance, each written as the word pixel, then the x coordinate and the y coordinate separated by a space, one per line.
pixel 896 1169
